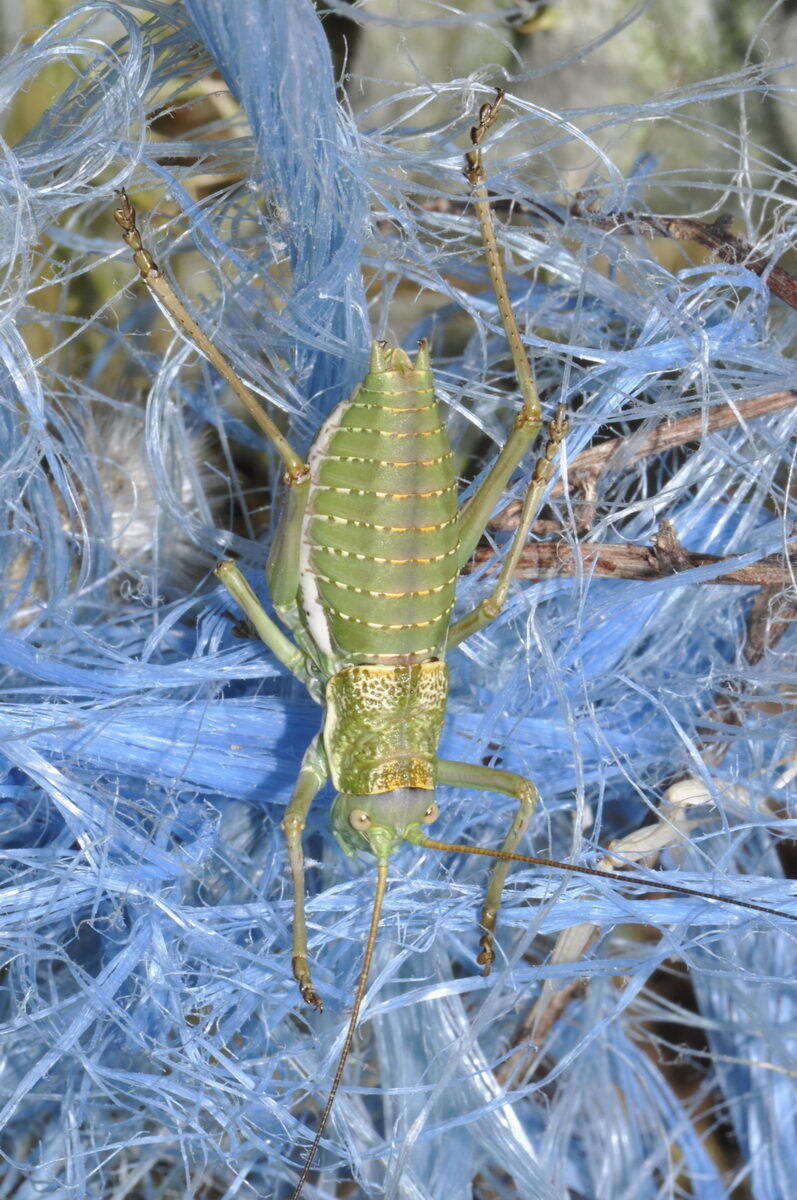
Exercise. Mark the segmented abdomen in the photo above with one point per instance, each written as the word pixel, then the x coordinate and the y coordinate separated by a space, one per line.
pixel 379 539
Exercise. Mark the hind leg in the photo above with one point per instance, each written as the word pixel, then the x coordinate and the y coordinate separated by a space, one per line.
pixel 476 511
pixel 158 284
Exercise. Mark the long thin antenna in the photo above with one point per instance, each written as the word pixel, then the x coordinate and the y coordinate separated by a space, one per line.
pixel 379 895
pixel 637 881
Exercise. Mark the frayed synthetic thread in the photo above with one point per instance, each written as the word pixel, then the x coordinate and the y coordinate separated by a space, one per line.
pixel 146 1002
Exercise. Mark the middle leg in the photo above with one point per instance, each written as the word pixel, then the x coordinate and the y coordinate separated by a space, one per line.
pixel 491 779
pixel 280 646
pixel 491 606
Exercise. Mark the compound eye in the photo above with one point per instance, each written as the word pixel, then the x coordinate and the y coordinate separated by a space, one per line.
pixel 431 814
pixel 359 820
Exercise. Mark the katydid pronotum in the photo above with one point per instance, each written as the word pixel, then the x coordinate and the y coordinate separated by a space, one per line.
pixel 362 575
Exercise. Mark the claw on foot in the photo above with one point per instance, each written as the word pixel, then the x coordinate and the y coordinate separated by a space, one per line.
pixel 125 217
pixel 301 973
pixel 486 956
pixel 312 998
pixel 488 114
pixel 125 214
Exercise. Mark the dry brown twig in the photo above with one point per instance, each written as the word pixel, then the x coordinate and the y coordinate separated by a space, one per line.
pixel 715 237
pixel 663 558
pixel 619 453
pixel 622 451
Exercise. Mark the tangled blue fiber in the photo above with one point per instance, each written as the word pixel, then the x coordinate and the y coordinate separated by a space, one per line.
pixel 152 1044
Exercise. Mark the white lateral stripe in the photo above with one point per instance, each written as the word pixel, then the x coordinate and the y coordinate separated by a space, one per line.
pixel 308 585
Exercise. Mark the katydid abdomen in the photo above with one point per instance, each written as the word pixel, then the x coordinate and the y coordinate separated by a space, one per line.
pixel 379 560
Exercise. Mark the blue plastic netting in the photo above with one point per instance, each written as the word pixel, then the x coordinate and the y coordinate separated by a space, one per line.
pixel 152 1041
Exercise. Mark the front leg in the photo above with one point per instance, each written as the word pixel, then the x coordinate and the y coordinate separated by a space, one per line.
pixel 491 779
pixel 312 776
